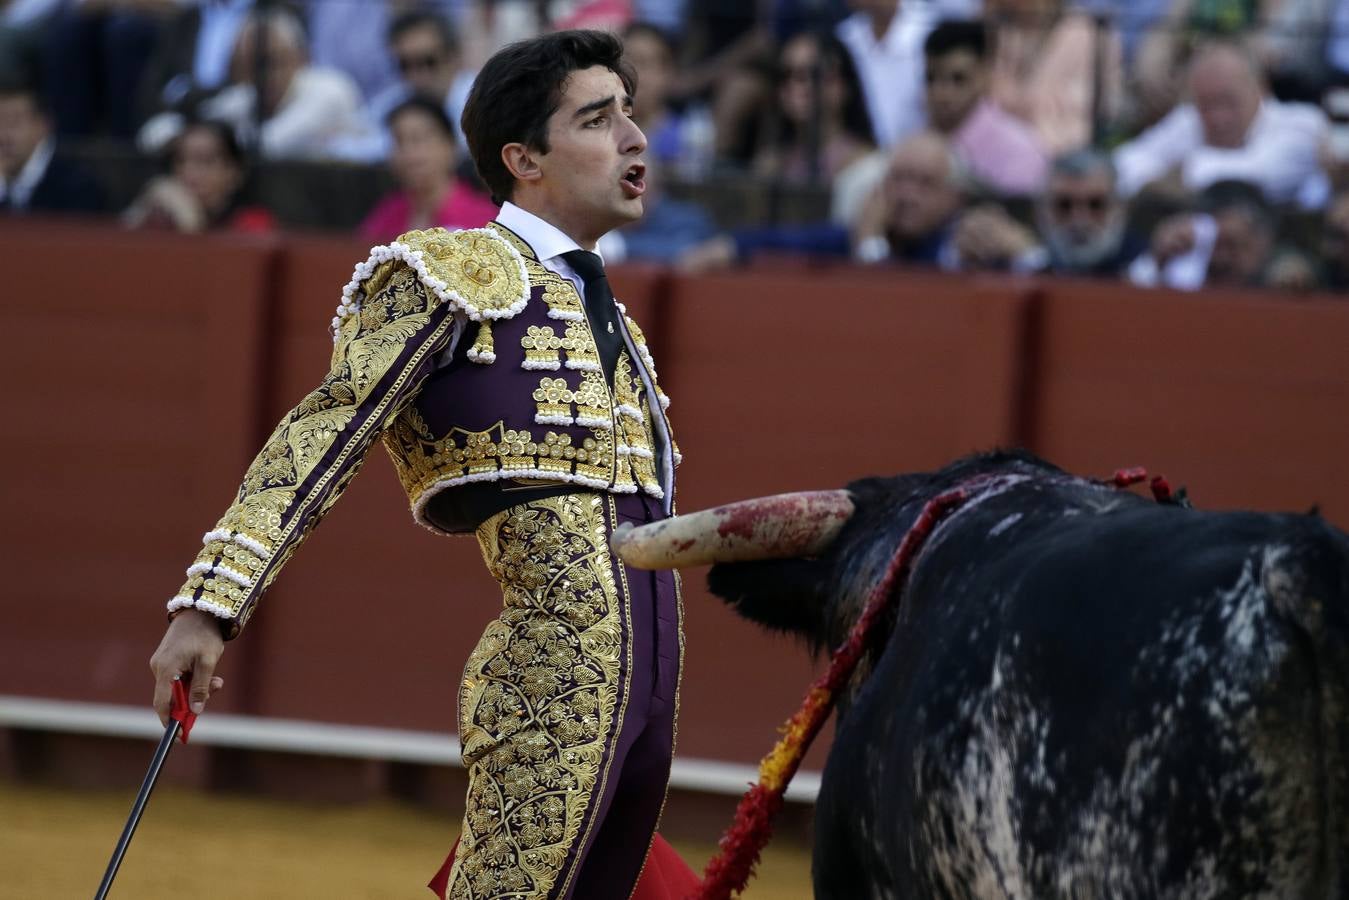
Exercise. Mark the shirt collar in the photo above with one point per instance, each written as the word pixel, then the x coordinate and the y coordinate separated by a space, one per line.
pixel 544 238
pixel 20 190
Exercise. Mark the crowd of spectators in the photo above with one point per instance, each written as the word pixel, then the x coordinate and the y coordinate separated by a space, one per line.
pixel 1176 143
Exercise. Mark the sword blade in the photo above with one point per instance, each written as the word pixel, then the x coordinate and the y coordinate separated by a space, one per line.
pixel 137 808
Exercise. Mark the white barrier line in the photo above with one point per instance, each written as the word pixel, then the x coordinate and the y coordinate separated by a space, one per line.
pixel 326 739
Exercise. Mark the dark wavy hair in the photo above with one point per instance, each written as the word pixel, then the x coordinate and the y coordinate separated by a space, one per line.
pixel 832 51
pixel 521 86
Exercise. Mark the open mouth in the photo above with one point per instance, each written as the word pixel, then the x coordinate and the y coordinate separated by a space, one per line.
pixel 634 180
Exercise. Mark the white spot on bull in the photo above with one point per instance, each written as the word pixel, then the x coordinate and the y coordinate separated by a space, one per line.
pixel 1115 842
pixel 1005 524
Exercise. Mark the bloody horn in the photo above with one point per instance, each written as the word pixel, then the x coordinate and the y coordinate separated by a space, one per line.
pixel 777 527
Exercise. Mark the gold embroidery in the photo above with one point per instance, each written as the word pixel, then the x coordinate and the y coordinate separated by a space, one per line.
pixel 424 463
pixel 615 456
pixel 483 272
pixel 554 400
pixel 541 345
pixel 483 352
pixel 562 299
pixel 592 401
pixel 541 697
pixel 580 347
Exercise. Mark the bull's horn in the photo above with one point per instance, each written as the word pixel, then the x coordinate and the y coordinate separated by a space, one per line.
pixel 778 527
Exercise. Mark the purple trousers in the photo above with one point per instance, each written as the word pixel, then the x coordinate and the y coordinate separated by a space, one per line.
pixel 567 709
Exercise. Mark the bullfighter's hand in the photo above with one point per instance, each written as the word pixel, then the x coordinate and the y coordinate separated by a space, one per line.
pixel 192 645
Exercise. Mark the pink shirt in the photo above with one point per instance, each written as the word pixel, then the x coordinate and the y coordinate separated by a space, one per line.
pixel 1047 79
pixel 463 207
pixel 1001 151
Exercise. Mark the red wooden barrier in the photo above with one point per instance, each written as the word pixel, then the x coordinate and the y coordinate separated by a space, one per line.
pixel 1240 397
pixel 132 364
pixel 145 370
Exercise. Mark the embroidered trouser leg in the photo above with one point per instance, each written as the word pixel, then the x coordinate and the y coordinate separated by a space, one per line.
pixel 567 701
pixel 645 744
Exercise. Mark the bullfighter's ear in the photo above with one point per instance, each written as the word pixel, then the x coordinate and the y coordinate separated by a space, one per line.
pixel 783 594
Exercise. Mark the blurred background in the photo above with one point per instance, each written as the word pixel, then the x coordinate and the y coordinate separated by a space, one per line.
pixel 879 235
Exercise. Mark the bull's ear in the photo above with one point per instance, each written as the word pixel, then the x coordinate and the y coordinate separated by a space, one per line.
pixel 781 594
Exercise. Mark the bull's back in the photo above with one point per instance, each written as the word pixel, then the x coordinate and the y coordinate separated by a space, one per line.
pixel 1142 702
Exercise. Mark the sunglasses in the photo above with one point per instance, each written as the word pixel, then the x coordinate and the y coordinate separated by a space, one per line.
pixel 408 64
pixel 1063 204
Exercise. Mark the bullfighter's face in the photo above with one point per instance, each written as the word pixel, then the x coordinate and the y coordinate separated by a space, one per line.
pixel 591 179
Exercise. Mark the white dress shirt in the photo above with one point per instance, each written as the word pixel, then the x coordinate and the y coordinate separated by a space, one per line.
pixel 319 109
pixel 549 243
pixel 1279 154
pixel 891 69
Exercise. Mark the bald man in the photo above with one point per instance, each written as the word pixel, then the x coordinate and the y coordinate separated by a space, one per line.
pixel 1228 129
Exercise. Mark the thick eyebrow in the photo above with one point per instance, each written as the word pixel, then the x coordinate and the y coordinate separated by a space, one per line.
pixel 598 105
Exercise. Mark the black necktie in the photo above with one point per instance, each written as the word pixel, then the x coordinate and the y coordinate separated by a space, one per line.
pixel 600 308
pixel 603 315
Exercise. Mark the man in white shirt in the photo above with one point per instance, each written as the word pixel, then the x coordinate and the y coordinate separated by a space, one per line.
pixel 305 109
pixel 885 38
pixel 1229 130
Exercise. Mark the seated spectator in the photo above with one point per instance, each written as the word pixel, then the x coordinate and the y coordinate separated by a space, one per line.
pixel 920 201
pixel 96 55
pixel 1229 129
pixel 203 189
pixel 305 111
pixel 426 51
pixel 1045 70
pixel 1000 151
pixel 1231 242
pixel 668 229
pixel 823 132
pixel 191 61
pixel 885 38
pixel 678 141
pixel 423 160
pixel 1081 226
pixel 33 176
pixel 910 219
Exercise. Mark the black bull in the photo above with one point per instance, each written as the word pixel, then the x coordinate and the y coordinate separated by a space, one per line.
pixel 1084 694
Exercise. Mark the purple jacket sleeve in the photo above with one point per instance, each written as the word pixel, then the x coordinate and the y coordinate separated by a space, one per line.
pixel 383 354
